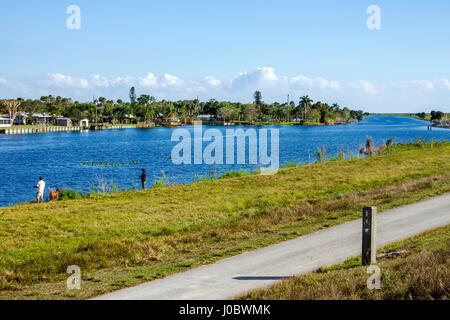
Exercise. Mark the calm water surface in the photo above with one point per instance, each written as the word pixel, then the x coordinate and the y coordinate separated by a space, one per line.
pixel 58 156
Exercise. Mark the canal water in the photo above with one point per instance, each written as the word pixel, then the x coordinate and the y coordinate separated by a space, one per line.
pixel 79 160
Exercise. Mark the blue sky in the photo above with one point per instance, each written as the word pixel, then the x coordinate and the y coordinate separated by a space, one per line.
pixel 228 49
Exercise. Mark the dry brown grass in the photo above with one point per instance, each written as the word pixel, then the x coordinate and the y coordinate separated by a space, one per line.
pixel 422 272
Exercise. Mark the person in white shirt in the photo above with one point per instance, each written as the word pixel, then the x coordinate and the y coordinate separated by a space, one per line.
pixel 41 187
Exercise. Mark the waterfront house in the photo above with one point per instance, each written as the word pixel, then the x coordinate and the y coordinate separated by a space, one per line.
pixel 21 119
pixel 171 122
pixel 63 122
pixel 5 122
pixel 206 117
pixel 42 118
pixel 129 118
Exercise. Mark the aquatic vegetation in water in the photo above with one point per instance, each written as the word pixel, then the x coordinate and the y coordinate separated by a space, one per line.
pixel 321 154
pixel 109 163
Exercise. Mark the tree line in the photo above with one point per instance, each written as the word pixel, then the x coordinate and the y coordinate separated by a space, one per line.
pixel 435 116
pixel 146 108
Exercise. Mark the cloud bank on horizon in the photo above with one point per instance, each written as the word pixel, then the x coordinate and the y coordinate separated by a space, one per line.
pixel 417 95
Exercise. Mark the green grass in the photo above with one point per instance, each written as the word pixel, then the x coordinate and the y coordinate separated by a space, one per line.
pixel 419 269
pixel 125 238
pixel 411 115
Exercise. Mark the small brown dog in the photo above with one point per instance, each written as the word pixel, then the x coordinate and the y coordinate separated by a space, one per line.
pixel 54 195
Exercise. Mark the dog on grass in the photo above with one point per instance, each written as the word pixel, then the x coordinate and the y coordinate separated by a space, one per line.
pixel 54 195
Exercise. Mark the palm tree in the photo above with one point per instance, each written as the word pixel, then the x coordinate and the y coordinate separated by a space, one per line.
pixel 297 112
pixel 170 111
pixel 279 113
pixel 305 103
pixel 144 100
pixel 149 113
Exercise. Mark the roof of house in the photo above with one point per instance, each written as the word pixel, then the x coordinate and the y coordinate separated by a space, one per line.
pixel 41 115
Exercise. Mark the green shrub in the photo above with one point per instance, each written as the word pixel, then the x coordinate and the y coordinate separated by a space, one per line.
pixel 69 194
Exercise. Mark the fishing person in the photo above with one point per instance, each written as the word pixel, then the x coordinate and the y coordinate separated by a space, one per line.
pixel 41 187
pixel 143 177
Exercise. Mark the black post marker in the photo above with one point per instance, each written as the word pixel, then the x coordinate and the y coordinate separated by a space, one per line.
pixel 369 246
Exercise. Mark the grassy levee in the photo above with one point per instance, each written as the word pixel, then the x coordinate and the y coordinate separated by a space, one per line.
pixel 417 268
pixel 125 238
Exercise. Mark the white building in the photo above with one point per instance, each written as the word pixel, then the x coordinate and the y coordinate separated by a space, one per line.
pixel 63 122
pixel 36 118
pixel 206 117
pixel 42 118
pixel 5 122
pixel 21 119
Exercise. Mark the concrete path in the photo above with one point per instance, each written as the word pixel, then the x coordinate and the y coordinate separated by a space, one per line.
pixel 261 268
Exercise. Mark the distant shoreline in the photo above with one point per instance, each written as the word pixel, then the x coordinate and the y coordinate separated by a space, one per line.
pixel 411 115
pixel 30 129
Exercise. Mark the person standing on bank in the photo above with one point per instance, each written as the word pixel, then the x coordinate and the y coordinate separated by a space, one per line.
pixel 143 178
pixel 41 187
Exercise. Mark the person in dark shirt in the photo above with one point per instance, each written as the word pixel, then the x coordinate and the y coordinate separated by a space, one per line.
pixel 143 178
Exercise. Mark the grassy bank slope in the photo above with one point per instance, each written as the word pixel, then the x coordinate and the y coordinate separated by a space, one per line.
pixel 411 115
pixel 416 268
pixel 126 238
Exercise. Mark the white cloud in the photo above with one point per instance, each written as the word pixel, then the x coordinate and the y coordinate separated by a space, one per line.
pixel 166 81
pixel 423 84
pixel 149 80
pixel 260 74
pixel 260 78
pixel 99 81
pixel 61 80
pixel 212 81
pixel 364 94
pixel 444 83
pixel 169 80
pixel 119 81
pixel 263 78
pixel 96 81
pixel 267 74
pixel 366 86
pixel 304 82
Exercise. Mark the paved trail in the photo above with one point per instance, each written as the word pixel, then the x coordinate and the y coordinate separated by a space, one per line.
pixel 261 268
